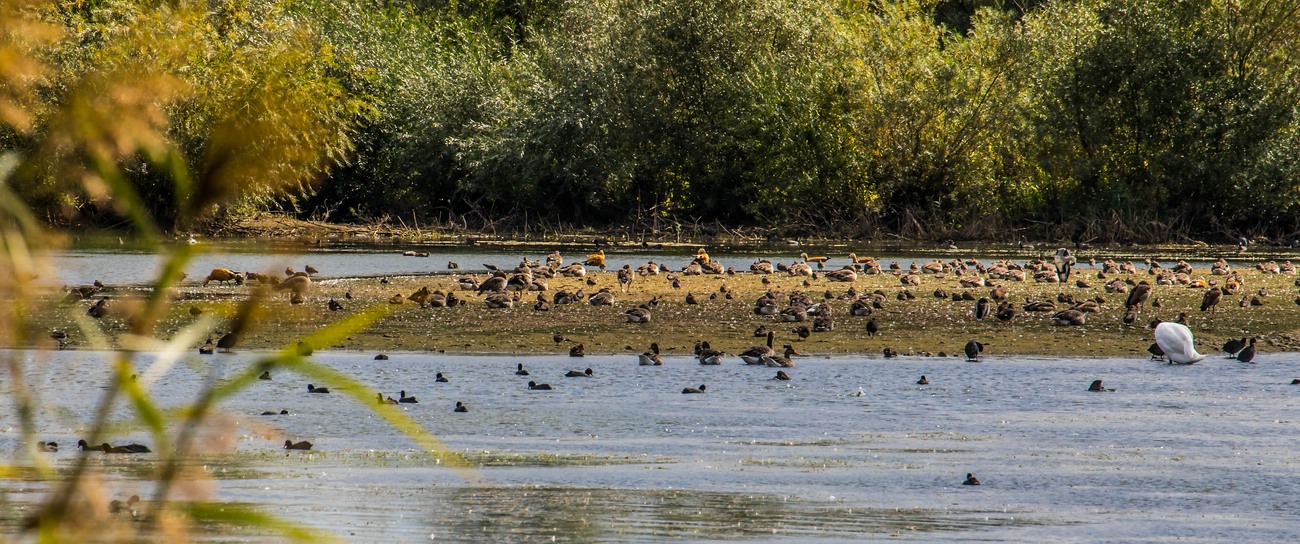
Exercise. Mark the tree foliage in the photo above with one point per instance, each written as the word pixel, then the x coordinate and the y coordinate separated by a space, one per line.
pixel 919 117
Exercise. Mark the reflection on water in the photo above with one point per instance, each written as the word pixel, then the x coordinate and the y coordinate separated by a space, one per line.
pixel 1198 453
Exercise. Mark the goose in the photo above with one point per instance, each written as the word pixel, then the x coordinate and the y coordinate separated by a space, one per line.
pixel 578 374
pixel 816 259
pixel 651 356
pixel 1247 354
pixel 872 327
pixel 973 350
pixel 601 298
pixel 461 408
pixel 761 267
pixel 575 270
pixel 1070 317
pixel 1211 299
pixel 494 284
pixel 291 445
pixel 778 361
pixel 690 390
pixel 1176 341
pixel 970 478
pixel 520 371
pixel 499 300
pixel 754 355
pixel 1138 295
pixel 800 269
pixel 983 308
pixel 334 305
pixel 846 275
pixel 313 389
pixel 379 399
pixel 539 386
pixel 297 285
pixel 466 283
pixel 577 351
pixel 640 314
pixel 1097 388
pixel 708 355
pixel 861 260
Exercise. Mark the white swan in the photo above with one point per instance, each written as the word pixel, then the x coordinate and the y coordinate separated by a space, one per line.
pixel 1176 340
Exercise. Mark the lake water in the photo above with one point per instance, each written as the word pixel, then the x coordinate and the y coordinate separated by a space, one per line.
pixel 134 266
pixel 1200 453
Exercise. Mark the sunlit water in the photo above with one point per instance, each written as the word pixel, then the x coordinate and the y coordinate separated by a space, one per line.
pixel 1200 453
pixel 138 267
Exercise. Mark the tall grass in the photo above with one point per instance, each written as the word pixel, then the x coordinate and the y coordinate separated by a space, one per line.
pixel 113 117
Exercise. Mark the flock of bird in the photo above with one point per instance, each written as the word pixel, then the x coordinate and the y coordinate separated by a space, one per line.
pixel 805 312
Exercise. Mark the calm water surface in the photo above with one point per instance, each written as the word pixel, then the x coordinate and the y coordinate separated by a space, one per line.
pixel 131 266
pixel 1201 453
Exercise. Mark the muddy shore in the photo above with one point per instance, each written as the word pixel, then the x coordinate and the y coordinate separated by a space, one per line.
pixel 724 314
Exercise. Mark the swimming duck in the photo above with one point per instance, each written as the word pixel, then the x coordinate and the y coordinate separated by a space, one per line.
pixel 539 386
pixel 1096 387
pixel 578 374
pixel 47 446
pixel 923 380
pixel 379 398
pixel 782 376
pixel 971 480
pixel 461 408
pixel 313 389
pixel 690 390
pixel 291 445
pixel 129 448
pixel 208 347
pixel 439 378
pixel 403 399
pixel 521 371
pixel 265 375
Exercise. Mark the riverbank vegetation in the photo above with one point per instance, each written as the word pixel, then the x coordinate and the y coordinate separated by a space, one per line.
pixel 1088 120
